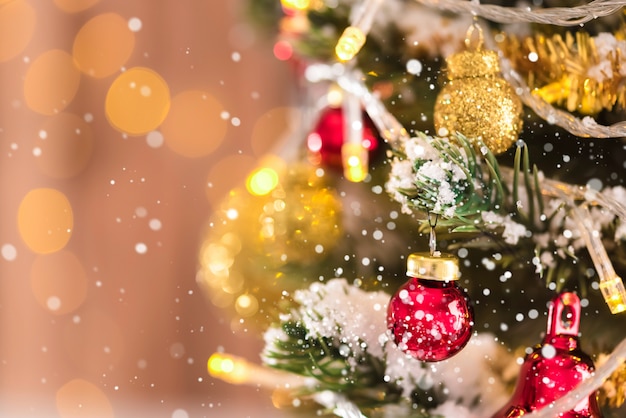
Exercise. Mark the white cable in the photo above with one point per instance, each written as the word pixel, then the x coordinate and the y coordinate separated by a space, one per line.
pixel 558 16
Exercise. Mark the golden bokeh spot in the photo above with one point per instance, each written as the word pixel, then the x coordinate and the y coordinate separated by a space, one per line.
pixel 103 45
pixel 45 220
pixel 137 101
pixel 223 175
pixel 80 398
pixel 17 25
pixel 246 305
pixel 73 6
pixel 262 181
pixel 58 282
pixel 66 144
pixel 269 128
pixel 51 82
pixel 194 126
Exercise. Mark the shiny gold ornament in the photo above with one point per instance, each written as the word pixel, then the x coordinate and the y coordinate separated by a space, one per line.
pixel 476 101
pixel 263 236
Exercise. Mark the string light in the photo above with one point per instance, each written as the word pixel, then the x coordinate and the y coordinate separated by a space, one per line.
pixel 353 153
pixel 558 16
pixel 353 37
pixel 237 370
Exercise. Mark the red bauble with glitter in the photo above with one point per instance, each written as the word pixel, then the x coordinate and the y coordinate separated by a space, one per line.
pixel 555 367
pixel 430 316
pixel 325 142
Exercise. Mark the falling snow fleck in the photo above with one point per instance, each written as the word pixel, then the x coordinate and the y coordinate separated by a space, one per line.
pixel 236 56
pixel 154 224
pixel 53 303
pixel 548 351
pixel 155 139
pixel 141 248
pixel 134 24
pixel 180 413
pixel 9 252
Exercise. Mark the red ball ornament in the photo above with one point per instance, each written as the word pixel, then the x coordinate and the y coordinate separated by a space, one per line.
pixel 430 316
pixel 555 367
pixel 325 142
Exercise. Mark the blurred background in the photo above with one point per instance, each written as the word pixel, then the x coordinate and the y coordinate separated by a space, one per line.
pixel 122 126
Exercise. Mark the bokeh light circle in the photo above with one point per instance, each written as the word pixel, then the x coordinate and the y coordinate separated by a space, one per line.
pixel 137 101
pixel 222 177
pixel 45 220
pixel 58 282
pixel 67 147
pixel 270 127
pixel 51 82
pixel 74 6
pixel 103 45
pixel 17 25
pixel 194 126
pixel 80 398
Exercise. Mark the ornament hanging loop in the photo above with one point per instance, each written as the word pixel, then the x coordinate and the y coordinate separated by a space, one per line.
pixel 474 41
pixel 432 238
pixel 564 315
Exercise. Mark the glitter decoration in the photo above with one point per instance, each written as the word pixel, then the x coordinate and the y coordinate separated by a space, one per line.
pixel 264 232
pixel 476 101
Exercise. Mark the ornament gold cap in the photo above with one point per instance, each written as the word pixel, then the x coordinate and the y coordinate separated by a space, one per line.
pixel 440 266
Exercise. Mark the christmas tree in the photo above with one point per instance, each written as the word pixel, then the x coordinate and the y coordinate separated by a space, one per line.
pixel 475 148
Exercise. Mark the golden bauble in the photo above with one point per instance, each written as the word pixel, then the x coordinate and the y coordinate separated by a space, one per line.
pixel 263 236
pixel 477 102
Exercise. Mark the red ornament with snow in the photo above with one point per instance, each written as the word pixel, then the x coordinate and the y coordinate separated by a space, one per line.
pixel 328 136
pixel 555 367
pixel 430 316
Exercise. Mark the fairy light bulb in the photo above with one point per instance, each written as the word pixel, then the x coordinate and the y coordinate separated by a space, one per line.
pixel 296 5
pixel 353 37
pixel 355 161
pixel 354 155
pixel 614 294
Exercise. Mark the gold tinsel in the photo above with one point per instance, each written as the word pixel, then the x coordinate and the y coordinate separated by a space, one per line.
pixel 613 391
pixel 569 71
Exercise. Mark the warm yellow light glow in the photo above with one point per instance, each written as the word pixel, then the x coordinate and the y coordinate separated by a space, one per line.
pixel 246 305
pixel 17 25
pixel 231 369
pixel 614 294
pixel 355 161
pixel 58 282
pixel 45 220
pixel 296 4
pixel 103 45
pixel 138 101
pixel 262 181
pixel 351 41
pixel 80 398
pixel 194 126
pixel 74 6
pixel 51 82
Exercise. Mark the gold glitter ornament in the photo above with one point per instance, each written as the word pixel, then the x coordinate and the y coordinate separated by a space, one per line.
pixel 261 238
pixel 476 101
